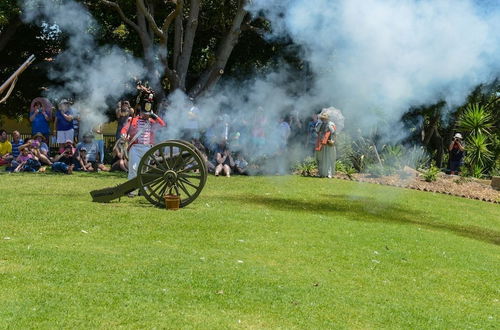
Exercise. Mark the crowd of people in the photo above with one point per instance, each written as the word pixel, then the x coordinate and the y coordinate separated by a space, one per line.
pixel 258 145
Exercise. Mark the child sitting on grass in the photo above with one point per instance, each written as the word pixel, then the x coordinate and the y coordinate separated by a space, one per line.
pixel 26 161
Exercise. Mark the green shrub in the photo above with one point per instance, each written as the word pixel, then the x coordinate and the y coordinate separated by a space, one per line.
pixel 307 167
pixel 430 175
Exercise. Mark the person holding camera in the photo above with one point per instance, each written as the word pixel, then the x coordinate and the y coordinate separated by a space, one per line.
pixel 64 162
pixel 123 113
pixel 64 123
pixel 457 153
pixel 40 116
pixel 139 132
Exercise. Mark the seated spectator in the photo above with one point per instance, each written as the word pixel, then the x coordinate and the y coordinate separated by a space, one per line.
pixel 16 143
pixel 66 144
pixel 120 156
pixel 210 166
pixel 91 153
pixel 44 148
pixel 64 163
pixel 26 161
pixel 81 162
pixel 34 146
pixel 240 165
pixel 5 148
pixel 224 160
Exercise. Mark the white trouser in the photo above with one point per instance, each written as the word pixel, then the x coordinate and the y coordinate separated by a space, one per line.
pixel 135 154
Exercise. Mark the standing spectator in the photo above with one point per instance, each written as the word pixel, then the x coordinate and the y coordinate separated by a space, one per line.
pixel 16 143
pixel 99 139
pixel 284 134
pixel 91 152
pixel 40 116
pixel 64 163
pixel 326 153
pixel 120 157
pixel 312 136
pixel 192 126
pixel 457 152
pixel 64 123
pixel 76 123
pixel 123 112
pixel 5 148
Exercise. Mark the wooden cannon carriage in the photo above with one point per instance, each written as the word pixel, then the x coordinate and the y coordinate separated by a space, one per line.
pixel 172 167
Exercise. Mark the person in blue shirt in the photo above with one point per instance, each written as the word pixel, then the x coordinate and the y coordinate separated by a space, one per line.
pixel 64 122
pixel 40 117
pixel 16 143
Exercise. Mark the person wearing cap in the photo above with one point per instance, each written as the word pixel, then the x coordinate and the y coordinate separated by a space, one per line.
pixel 326 153
pixel 91 153
pixel 64 123
pixel 64 162
pixel 67 143
pixel 139 132
pixel 457 152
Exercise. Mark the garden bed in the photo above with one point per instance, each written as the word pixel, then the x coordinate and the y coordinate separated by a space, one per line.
pixel 445 184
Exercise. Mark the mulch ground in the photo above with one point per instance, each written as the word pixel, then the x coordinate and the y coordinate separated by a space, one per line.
pixel 445 184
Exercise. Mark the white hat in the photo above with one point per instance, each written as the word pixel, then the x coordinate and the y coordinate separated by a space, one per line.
pixel 458 136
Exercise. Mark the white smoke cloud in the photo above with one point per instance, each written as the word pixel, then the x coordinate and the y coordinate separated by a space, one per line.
pixel 376 58
pixel 90 73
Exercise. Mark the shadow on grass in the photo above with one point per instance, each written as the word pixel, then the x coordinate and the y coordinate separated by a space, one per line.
pixel 368 209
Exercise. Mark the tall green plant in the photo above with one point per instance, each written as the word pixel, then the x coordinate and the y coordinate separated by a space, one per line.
pixel 477 122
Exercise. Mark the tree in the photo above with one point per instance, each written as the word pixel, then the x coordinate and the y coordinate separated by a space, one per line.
pixel 168 30
pixel 9 21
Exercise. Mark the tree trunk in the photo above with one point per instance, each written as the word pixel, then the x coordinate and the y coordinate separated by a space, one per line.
pixel 187 45
pixel 212 75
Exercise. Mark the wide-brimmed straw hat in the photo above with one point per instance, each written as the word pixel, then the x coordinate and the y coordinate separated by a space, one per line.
pixel 324 115
pixel 38 134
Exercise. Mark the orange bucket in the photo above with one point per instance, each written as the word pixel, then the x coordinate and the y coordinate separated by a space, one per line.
pixel 172 202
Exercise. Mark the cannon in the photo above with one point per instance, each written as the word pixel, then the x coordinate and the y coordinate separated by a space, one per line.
pixel 172 167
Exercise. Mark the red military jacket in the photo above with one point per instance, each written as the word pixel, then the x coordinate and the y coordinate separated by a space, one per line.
pixel 131 128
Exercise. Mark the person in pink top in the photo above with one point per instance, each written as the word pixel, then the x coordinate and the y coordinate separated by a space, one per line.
pixel 139 132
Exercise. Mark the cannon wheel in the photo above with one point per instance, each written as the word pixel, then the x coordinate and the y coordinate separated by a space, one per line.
pixel 172 167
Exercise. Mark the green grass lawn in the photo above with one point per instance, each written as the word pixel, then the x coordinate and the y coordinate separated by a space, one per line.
pixel 250 252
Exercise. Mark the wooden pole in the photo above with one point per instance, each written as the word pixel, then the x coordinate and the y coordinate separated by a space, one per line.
pixel 16 74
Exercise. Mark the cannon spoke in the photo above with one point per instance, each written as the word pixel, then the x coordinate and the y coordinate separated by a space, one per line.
pixel 188 183
pixel 183 188
pixel 162 154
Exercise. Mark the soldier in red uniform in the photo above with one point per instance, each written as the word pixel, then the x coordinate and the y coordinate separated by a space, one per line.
pixel 139 132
